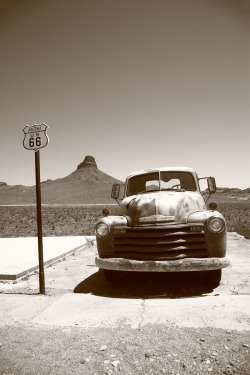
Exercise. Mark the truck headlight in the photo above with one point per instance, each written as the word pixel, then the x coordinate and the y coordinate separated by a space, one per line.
pixel 102 229
pixel 215 224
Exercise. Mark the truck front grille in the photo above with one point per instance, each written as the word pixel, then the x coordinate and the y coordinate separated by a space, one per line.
pixel 159 242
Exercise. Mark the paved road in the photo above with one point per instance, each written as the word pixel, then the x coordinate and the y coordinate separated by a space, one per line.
pixel 77 294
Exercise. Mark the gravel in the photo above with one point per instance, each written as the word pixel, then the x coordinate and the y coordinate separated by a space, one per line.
pixel 153 349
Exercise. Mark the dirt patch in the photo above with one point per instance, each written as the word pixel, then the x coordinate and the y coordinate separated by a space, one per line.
pixel 153 349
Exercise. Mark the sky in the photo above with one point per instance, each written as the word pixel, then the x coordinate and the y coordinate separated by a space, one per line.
pixel 137 84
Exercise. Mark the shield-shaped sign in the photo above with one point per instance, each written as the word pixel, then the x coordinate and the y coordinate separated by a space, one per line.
pixel 35 137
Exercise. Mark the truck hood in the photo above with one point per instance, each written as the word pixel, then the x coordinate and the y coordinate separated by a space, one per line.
pixel 162 206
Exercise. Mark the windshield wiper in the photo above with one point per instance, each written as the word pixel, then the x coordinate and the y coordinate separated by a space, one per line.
pixel 172 189
pixel 163 189
pixel 146 191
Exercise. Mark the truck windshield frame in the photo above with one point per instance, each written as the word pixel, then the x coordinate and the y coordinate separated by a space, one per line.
pixel 160 181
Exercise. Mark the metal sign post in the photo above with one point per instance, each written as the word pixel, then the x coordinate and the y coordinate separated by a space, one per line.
pixel 36 138
pixel 39 223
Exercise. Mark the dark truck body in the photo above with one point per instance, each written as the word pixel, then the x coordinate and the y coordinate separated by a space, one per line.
pixel 163 226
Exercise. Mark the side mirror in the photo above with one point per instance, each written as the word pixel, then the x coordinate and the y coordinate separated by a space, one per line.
pixel 211 185
pixel 118 192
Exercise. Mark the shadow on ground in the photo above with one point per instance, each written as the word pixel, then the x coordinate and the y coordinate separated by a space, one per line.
pixel 147 285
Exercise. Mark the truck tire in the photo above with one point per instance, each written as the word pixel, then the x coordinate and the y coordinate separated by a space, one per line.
pixel 213 277
pixel 113 276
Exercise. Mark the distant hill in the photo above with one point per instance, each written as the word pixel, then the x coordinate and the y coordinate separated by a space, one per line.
pixel 233 190
pixel 87 184
pixel 230 194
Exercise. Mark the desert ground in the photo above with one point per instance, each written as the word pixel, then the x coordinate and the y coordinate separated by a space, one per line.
pixel 145 324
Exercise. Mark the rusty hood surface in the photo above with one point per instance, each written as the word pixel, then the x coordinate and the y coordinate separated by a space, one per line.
pixel 162 206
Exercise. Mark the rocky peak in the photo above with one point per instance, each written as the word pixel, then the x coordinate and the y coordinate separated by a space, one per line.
pixel 88 162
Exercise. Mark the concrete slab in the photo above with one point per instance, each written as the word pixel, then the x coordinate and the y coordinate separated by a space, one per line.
pixel 18 309
pixel 226 312
pixel 135 302
pixel 91 311
pixel 19 256
pixel 221 311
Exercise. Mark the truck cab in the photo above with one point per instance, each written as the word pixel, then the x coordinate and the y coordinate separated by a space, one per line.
pixel 164 225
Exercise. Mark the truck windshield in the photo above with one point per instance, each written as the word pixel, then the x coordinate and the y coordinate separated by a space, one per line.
pixel 160 181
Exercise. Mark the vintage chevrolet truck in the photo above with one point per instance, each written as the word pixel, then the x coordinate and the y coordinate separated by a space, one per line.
pixel 163 225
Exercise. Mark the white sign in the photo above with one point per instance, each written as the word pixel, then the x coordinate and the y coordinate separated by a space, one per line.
pixel 35 137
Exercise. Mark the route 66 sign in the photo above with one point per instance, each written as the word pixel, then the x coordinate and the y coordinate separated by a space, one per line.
pixel 35 137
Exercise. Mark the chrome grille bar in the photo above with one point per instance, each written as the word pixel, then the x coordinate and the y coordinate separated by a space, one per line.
pixel 168 240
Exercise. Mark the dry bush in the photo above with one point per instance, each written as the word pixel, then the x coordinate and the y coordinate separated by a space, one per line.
pixel 237 214
pixel 20 221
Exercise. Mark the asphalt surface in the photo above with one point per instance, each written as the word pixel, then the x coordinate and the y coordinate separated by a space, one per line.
pixel 77 294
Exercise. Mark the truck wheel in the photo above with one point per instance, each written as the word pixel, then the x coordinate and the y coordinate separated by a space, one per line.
pixel 213 277
pixel 113 276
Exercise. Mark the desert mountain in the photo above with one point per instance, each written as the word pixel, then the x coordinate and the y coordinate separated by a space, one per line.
pixel 87 184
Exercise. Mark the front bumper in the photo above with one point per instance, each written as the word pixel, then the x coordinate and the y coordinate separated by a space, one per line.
pixel 183 265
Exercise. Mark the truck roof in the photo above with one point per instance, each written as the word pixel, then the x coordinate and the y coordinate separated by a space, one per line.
pixel 163 169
